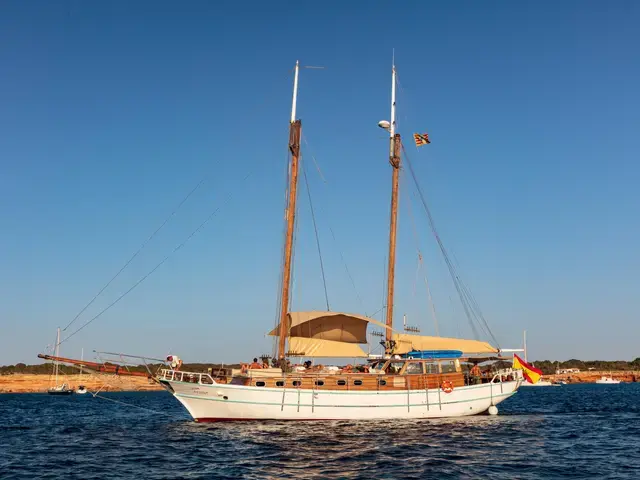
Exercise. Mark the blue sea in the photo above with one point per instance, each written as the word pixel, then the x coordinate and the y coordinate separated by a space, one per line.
pixel 573 431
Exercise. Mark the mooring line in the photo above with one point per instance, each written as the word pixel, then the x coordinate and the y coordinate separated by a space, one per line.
pixel 95 395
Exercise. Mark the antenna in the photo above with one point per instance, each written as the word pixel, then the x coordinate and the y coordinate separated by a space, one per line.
pixel 294 103
pixel 409 328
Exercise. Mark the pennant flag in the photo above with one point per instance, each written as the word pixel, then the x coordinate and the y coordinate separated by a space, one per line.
pixel 531 373
pixel 421 139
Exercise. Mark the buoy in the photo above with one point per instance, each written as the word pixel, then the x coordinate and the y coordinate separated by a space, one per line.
pixel 493 410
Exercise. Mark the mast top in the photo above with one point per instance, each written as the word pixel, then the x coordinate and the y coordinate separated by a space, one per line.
pixel 295 92
pixel 392 126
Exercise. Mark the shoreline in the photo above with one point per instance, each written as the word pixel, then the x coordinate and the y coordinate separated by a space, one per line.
pixel 40 383
pixel 626 376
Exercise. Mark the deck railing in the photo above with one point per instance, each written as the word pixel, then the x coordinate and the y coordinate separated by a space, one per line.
pixel 190 377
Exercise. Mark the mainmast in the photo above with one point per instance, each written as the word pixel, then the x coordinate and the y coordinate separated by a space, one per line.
pixel 394 159
pixel 295 127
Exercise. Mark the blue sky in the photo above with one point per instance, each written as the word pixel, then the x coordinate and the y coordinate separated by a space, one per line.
pixel 112 112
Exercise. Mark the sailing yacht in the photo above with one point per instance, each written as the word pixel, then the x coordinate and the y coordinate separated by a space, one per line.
pixel 417 377
pixel 58 389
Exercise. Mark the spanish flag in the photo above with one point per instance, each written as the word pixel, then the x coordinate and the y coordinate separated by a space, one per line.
pixel 531 373
pixel 421 139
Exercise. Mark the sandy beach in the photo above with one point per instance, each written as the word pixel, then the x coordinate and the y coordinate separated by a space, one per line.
pixel 32 383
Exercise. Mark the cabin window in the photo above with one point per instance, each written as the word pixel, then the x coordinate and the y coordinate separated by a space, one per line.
pixel 357 382
pixel 394 368
pixel 280 383
pixel 260 384
pixel 319 383
pixel 378 365
pixel 206 380
pixel 448 366
pixel 432 368
pixel 414 368
pixel 297 383
pixel 382 382
pixel 341 382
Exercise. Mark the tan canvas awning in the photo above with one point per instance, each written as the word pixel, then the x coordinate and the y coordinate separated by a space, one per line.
pixel 406 343
pixel 316 347
pixel 334 326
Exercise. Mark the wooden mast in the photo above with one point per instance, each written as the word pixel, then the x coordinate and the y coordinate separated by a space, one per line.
pixel 394 160
pixel 290 215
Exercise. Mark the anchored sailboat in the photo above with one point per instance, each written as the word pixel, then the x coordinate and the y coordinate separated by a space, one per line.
pixel 418 376
pixel 58 389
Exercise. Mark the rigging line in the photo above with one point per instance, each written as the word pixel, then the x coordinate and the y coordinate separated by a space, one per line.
pixel 285 209
pixel 421 264
pixel 200 227
pixel 460 287
pixel 304 138
pixel 450 266
pixel 333 235
pixel 315 228
pixel 144 244
pixel 346 268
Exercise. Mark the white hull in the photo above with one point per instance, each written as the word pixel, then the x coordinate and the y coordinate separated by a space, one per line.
pixel 218 402
pixel 608 381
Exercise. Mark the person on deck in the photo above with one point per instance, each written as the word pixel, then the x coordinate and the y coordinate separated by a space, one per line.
pixel 475 373
pixel 255 364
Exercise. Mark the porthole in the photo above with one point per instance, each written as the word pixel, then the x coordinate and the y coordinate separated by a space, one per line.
pixel 280 383
pixel 341 382
pixel 260 384
pixel 357 382
pixel 382 383
pixel 319 383
pixel 297 383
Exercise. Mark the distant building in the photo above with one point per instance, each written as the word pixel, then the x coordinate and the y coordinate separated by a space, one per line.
pixel 563 371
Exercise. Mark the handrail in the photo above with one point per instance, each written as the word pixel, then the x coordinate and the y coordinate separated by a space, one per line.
pixel 179 376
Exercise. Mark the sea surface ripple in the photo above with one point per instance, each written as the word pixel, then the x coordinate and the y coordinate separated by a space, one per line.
pixel 573 431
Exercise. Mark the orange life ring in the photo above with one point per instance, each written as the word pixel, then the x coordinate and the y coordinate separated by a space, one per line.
pixel 447 386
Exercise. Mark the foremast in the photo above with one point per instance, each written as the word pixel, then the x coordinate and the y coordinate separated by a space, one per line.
pixel 295 128
pixel 395 147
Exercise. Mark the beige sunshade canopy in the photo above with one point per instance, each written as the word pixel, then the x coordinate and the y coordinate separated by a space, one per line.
pixel 334 326
pixel 316 347
pixel 406 343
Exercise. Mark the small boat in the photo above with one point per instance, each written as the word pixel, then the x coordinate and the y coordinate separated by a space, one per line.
pixel 81 388
pixel 604 380
pixel 58 389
